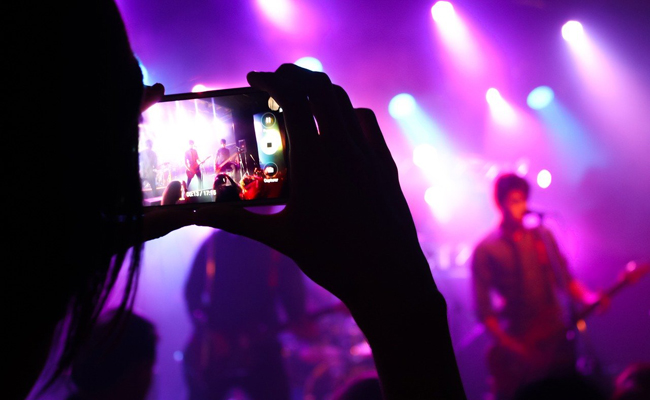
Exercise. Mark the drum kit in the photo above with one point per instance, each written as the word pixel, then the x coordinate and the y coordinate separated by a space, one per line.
pixel 341 353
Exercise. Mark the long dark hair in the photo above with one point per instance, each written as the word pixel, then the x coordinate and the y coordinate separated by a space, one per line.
pixel 102 84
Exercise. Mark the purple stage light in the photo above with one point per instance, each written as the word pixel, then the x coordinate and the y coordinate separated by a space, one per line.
pixel 573 32
pixel 443 12
pixel 278 11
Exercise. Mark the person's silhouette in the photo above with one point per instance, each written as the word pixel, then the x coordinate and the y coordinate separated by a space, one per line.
pixel 117 361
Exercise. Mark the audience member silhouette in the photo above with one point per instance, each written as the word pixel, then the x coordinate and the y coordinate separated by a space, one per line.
pixel 363 247
pixel 117 361
pixel 149 167
pixel 73 246
pixel 565 387
pixel 232 293
pixel 173 193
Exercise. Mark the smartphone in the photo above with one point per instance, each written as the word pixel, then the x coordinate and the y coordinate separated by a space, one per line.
pixel 214 147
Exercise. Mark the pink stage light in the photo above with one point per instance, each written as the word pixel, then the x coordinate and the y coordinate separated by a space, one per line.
pixel 500 109
pixel 457 38
pixel 616 92
pixel 522 167
pixel 278 11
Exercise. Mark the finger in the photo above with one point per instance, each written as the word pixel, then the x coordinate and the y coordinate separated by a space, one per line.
pixel 324 102
pixel 350 119
pixel 151 95
pixel 299 121
pixel 376 141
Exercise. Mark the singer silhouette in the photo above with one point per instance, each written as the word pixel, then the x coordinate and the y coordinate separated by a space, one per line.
pixel 526 268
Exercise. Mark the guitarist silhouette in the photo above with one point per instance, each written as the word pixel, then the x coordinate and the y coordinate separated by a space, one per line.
pixel 524 269
pixel 233 293
pixel 224 163
pixel 193 165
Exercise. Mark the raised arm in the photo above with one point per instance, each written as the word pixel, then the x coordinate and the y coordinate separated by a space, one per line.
pixel 353 233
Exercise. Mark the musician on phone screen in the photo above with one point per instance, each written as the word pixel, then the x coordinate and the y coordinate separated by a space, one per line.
pixel 224 162
pixel 193 165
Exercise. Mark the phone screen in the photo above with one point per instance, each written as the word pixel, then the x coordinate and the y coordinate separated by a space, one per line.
pixel 224 146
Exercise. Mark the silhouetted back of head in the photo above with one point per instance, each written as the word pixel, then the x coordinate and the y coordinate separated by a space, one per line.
pixel 117 359
pixel 172 193
pixel 571 387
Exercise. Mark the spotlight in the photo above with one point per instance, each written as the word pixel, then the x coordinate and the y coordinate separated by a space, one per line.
pixel 493 96
pixel 425 156
pixel 500 109
pixel 199 88
pixel 572 31
pixel 544 178
pixel 442 11
pixel 540 97
pixel 401 106
pixel 310 63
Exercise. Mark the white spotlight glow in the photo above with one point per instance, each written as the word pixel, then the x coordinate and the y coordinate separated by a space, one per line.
pixel 540 97
pixel 493 96
pixel 276 10
pixel 501 110
pixel 425 156
pixel 573 32
pixel 443 11
pixel 199 88
pixel 544 179
pixel 401 106
pixel 310 63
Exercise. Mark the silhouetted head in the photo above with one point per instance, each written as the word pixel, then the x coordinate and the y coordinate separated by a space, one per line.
pixel 569 387
pixel 172 193
pixel 118 358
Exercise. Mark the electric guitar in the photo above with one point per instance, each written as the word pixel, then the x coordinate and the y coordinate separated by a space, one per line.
pixel 546 340
pixel 195 170
pixel 218 168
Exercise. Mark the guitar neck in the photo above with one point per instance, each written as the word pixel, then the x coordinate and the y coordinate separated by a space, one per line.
pixel 612 291
pixel 592 307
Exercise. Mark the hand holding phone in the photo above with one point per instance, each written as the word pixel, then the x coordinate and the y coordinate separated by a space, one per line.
pixel 345 205
pixel 348 227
